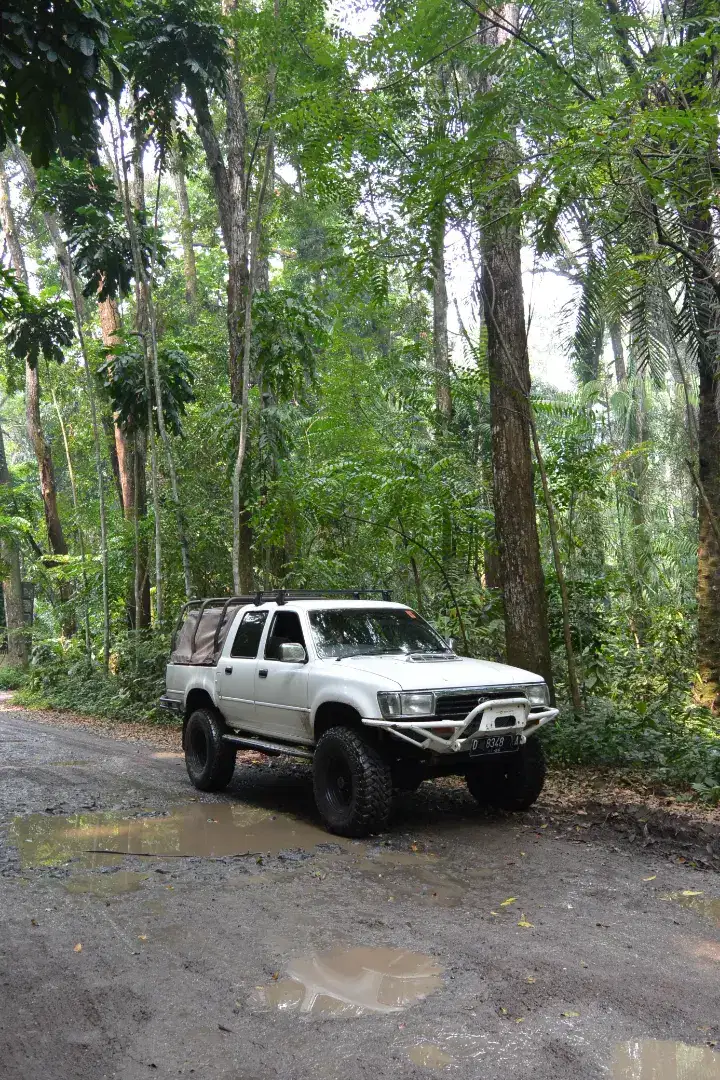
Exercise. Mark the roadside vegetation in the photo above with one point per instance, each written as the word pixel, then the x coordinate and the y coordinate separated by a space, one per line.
pixel 264 324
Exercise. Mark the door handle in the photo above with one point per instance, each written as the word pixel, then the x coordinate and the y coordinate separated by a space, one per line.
pixel 228 671
pixel 263 673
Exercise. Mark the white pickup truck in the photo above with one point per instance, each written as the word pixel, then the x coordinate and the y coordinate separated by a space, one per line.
pixel 364 688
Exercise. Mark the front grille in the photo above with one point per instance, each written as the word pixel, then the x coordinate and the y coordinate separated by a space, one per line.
pixel 457 706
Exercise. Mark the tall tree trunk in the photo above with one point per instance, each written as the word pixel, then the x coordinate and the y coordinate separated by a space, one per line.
pixel 18 644
pixel 186 230
pixel 441 352
pixel 707 313
pixel 526 628
pixel 36 434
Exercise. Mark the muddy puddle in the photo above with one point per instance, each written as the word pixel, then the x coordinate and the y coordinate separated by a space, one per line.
pixel 202 830
pixel 354 981
pixel 708 906
pixel 106 885
pixel 655 1059
pixel 429 1056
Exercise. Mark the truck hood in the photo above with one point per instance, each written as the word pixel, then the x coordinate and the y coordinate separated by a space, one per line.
pixel 437 674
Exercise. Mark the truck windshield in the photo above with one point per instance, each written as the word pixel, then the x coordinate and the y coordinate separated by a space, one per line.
pixel 371 631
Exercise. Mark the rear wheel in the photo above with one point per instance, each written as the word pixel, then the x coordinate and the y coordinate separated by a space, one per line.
pixel 352 783
pixel 510 781
pixel 210 762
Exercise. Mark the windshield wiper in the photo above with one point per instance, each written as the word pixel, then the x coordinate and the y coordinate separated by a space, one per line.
pixel 369 652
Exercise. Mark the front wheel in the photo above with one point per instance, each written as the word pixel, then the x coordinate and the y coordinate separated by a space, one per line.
pixel 510 781
pixel 352 783
pixel 210 762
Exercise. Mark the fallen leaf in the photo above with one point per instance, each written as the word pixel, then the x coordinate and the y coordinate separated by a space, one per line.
pixel 544 826
pixel 568 1014
pixel 522 852
pixel 651 878
pixel 523 922
pixel 496 913
pixel 34 922
pixel 531 979
pixel 413 846
pixel 142 937
pixel 78 947
pixel 503 1011
pixel 275 975
pixel 510 900
pixel 691 892
pixel 520 1020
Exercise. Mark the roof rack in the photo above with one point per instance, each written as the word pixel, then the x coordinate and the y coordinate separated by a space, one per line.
pixel 280 596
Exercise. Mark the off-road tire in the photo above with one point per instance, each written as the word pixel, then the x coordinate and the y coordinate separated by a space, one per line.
pixel 510 781
pixel 209 761
pixel 352 783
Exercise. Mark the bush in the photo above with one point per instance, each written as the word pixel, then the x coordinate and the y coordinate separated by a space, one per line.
pixel 67 679
pixel 12 678
pixel 679 748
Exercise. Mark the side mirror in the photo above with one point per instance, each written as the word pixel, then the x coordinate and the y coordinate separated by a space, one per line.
pixel 291 653
pixel 452 642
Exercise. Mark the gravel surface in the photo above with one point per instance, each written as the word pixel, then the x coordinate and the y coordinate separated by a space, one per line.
pixel 562 935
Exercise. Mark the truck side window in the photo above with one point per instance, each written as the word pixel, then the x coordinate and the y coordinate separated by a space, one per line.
pixel 284 630
pixel 249 632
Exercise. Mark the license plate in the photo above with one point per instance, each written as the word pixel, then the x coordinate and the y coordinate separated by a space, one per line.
pixel 494 744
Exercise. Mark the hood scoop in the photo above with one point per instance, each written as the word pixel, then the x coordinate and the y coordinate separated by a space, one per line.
pixel 431 658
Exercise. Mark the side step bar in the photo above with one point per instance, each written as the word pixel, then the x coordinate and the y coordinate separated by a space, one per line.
pixel 265 747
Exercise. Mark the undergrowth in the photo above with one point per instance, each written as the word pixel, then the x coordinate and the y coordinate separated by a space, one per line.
pixel 67 679
pixel 680 749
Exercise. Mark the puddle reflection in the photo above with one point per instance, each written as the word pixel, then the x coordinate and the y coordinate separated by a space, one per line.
pixel 697 901
pixel 198 829
pixel 354 981
pixel 655 1059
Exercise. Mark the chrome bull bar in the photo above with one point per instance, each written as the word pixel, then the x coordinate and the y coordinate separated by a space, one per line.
pixel 461 737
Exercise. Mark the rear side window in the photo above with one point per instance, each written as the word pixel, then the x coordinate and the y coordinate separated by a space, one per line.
pixel 249 632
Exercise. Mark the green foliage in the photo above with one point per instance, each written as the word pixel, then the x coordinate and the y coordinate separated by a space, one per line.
pixel 288 334
pixel 12 678
pixel 171 46
pixel 86 200
pixel 52 86
pixel 37 326
pixel 122 376
pixel 64 678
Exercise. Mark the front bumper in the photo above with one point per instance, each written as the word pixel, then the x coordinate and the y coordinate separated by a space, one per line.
pixel 482 720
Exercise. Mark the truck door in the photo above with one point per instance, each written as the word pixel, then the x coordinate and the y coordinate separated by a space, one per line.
pixel 281 688
pixel 235 674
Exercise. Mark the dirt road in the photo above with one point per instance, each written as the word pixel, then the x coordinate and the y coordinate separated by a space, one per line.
pixel 240 942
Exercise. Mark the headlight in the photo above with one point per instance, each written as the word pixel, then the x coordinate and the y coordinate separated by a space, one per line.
pixel 406 706
pixel 537 693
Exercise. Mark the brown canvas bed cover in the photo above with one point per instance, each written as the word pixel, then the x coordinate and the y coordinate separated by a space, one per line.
pixel 198 640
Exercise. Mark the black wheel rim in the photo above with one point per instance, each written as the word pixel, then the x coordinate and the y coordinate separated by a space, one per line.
pixel 198 748
pixel 339 784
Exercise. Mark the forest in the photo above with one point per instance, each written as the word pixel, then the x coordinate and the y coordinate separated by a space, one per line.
pixel 272 274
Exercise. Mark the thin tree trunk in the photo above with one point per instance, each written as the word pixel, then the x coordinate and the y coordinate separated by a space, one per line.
pixel 618 353
pixel 78 524
pixel 18 644
pixel 145 300
pixel 245 397
pixel 36 434
pixel 186 231
pixel 441 352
